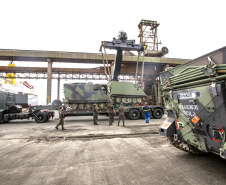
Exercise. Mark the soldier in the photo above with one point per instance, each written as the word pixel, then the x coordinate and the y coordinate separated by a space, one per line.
pixel 146 110
pixel 95 114
pixel 111 112
pixel 61 119
pixel 121 114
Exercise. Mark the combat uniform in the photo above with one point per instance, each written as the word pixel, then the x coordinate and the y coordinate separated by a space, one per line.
pixel 146 110
pixel 111 114
pixel 121 115
pixel 61 120
pixel 95 115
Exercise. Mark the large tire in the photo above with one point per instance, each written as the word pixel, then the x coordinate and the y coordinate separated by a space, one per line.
pixel 157 113
pixel 126 115
pixel 47 118
pixel 56 103
pixel 134 114
pixel 41 117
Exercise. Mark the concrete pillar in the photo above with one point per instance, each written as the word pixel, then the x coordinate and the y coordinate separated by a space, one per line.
pixel 112 69
pixel 159 93
pixel 49 82
pixel 58 87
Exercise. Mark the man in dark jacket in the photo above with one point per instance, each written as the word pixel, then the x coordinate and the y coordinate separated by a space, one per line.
pixel 146 110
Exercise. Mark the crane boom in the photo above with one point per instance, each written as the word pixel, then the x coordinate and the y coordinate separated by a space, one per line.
pixel 121 44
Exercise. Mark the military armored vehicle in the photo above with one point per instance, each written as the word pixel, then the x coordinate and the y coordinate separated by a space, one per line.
pixel 127 93
pixel 80 98
pixel 195 99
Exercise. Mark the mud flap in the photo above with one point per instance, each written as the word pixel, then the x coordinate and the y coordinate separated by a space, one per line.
pixel 168 128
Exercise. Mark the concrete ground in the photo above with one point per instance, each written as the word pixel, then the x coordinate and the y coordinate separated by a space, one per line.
pixel 32 153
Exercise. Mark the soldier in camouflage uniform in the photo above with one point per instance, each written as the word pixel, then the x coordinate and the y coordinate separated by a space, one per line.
pixel 61 119
pixel 95 114
pixel 121 114
pixel 111 112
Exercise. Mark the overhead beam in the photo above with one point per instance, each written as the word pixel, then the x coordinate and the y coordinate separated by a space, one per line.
pixel 126 70
pixel 78 57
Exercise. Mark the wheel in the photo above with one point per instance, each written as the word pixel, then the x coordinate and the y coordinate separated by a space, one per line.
pixel 126 115
pixel 47 118
pixel 157 113
pixel 134 114
pixel 41 117
pixel 56 103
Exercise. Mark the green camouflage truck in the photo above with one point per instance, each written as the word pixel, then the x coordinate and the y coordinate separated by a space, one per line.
pixel 195 99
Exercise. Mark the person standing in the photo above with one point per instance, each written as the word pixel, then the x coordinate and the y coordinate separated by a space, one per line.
pixel 95 114
pixel 146 110
pixel 61 119
pixel 111 112
pixel 121 114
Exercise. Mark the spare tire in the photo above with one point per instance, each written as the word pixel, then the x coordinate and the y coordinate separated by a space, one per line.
pixel 134 114
pixel 41 117
pixel 12 109
pixel 157 113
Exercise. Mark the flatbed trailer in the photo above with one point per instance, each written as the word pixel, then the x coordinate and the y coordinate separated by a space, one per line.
pixel 131 112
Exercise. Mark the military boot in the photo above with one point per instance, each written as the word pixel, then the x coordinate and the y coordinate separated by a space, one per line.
pixel 63 128
pixel 56 127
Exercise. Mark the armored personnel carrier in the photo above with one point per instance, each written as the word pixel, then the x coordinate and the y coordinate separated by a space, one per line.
pixel 82 96
pixel 127 93
pixel 195 98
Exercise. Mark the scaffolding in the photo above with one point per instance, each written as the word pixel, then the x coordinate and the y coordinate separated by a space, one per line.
pixel 148 34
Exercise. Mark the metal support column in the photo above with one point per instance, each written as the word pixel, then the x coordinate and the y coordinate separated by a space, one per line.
pixel 49 82
pixel 58 87
pixel 112 69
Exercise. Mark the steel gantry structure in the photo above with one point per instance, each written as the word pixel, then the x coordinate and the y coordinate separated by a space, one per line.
pixel 153 65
